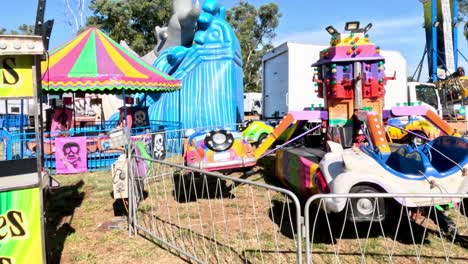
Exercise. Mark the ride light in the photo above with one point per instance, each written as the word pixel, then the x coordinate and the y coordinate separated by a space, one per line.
pixel 332 31
pixel 367 28
pixel 352 26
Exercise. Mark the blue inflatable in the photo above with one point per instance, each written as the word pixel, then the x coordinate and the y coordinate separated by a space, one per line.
pixel 211 74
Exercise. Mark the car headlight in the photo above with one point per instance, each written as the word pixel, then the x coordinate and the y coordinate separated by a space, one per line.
pixel 219 140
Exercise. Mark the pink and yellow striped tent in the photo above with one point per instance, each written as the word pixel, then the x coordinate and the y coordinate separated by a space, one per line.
pixel 94 63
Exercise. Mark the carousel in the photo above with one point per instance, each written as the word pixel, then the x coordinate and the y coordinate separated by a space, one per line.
pixel 85 80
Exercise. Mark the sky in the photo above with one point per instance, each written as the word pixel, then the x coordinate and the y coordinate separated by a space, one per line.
pixel 397 24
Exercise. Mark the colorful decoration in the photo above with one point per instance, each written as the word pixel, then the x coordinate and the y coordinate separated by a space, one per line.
pixel 159 146
pixel 140 116
pixel 296 168
pixel 211 70
pixel 71 155
pixel 93 62
pixel 218 150
pixel 61 120
pixel 356 81
pixel 20 222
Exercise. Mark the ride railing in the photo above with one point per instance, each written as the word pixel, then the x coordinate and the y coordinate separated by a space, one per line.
pixel 212 218
pixel 169 144
pixel 13 121
pixel 20 143
pixel 398 234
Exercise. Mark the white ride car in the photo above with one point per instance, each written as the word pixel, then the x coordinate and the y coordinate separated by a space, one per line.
pixel 439 166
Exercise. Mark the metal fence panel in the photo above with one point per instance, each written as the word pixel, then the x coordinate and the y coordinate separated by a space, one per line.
pixel 406 235
pixel 213 218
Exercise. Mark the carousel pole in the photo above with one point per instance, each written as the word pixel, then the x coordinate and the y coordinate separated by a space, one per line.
pixel 124 108
pixel 21 126
pixel 74 115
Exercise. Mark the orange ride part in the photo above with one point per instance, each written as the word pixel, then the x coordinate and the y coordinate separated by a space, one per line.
pixel 440 123
pixel 279 129
pixel 377 132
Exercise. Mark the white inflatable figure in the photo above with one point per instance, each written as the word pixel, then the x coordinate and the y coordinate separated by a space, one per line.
pixel 180 30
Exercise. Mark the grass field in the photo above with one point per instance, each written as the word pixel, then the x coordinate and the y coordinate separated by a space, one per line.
pixel 79 213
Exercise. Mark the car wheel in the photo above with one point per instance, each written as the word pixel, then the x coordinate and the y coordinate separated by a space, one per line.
pixel 261 138
pixel 219 140
pixel 366 209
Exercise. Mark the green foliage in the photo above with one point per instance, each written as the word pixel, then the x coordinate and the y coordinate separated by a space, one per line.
pixel 131 20
pixel 23 29
pixel 463 13
pixel 255 29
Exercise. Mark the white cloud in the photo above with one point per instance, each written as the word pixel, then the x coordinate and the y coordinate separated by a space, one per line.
pixel 398 23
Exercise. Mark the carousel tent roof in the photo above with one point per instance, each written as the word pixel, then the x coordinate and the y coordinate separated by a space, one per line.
pixel 94 63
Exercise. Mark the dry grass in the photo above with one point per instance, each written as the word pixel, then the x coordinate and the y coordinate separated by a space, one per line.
pixel 84 202
pixel 77 212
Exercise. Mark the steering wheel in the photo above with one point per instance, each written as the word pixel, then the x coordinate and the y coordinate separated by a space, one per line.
pixel 426 151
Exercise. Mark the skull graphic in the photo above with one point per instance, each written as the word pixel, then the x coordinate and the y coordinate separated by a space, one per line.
pixel 71 153
pixel 159 149
pixel 140 118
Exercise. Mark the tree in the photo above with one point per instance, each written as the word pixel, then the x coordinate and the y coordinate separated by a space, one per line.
pixel 255 29
pixel 23 29
pixel 131 20
pixel 463 13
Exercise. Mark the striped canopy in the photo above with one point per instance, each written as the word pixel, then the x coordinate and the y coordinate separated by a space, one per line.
pixel 94 63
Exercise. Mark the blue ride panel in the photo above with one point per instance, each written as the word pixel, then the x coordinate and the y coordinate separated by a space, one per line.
pixel 211 74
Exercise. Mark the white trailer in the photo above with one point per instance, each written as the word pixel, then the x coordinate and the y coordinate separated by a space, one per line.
pixel 253 103
pixel 287 79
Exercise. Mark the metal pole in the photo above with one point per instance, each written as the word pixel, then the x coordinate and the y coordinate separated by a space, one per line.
pixel 357 86
pixel 6 115
pixel 124 108
pixel 21 127
pixel 422 62
pixel 37 86
pixel 74 115
pixel 455 32
pixel 39 154
pixel 434 40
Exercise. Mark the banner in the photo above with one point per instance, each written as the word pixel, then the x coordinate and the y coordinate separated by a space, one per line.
pixel 16 76
pixel 71 155
pixel 20 227
pixel 139 116
pixel 62 120
pixel 159 147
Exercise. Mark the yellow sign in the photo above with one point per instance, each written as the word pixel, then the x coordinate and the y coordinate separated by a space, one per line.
pixel 16 76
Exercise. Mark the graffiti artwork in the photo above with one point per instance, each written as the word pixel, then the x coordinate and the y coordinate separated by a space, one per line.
pixel 70 155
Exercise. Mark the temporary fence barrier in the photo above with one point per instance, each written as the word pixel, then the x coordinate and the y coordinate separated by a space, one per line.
pixel 397 234
pixel 213 218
